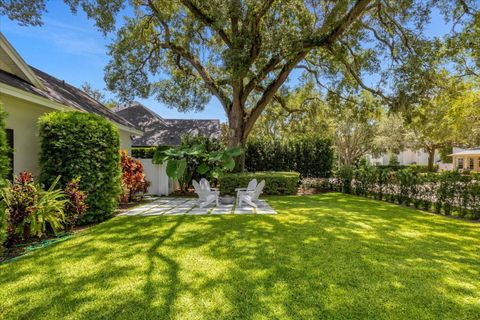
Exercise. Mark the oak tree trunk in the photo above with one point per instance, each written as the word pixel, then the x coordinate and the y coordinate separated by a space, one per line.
pixel 431 159
pixel 236 133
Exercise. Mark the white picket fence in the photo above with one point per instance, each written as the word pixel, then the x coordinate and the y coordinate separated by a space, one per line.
pixel 160 183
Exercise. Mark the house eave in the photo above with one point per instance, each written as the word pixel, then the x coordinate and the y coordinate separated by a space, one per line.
pixel 30 97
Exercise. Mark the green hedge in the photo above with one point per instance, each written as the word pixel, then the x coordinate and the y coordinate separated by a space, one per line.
pixel 447 192
pixel 275 182
pixel 76 144
pixel 4 171
pixel 419 168
pixel 311 157
pixel 143 152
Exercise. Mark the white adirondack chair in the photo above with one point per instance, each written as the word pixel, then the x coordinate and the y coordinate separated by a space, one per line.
pixel 206 185
pixel 205 196
pixel 250 197
pixel 250 188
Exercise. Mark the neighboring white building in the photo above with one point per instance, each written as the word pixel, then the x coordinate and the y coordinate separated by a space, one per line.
pixel 405 157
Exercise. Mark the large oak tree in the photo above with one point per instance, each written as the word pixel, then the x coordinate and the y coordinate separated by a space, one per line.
pixel 243 51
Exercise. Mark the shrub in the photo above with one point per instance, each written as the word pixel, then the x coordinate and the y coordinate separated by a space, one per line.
pixel 133 178
pixel 77 144
pixel 143 152
pixel 345 175
pixel 31 209
pixel 277 183
pixel 319 184
pixel 311 157
pixel 450 192
pixel 76 206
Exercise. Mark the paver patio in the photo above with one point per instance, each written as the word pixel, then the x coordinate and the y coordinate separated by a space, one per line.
pixel 180 206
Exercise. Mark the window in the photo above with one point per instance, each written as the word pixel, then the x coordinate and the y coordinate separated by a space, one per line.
pixel 460 163
pixel 10 152
pixel 470 163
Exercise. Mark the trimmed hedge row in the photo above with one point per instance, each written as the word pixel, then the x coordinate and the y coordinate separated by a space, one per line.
pixel 276 183
pixel 311 157
pixel 420 168
pixel 77 144
pixel 143 152
pixel 448 192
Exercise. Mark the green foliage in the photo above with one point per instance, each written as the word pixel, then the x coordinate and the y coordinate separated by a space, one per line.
pixel 143 152
pixel 280 183
pixel 76 206
pixel 31 209
pixel 311 157
pixel 191 159
pixel 76 144
pixel 345 176
pixel 393 161
pixel 447 192
pixel 4 149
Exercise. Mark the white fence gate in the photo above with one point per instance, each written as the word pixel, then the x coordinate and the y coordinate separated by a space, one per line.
pixel 160 183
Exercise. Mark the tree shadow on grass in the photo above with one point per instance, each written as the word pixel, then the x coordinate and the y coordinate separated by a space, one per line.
pixel 328 256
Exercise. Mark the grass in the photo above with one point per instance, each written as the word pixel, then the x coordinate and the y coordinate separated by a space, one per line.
pixel 326 256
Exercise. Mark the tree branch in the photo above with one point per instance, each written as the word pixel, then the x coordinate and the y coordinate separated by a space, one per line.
pixel 202 71
pixel 270 91
pixel 207 20
pixel 341 26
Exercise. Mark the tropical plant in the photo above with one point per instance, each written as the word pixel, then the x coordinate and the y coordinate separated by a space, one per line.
pixel 76 206
pixel 133 177
pixel 211 164
pixel 31 209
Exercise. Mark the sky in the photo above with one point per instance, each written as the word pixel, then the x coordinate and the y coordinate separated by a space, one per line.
pixel 70 48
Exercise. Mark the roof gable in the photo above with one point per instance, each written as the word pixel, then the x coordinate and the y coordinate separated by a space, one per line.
pixel 11 62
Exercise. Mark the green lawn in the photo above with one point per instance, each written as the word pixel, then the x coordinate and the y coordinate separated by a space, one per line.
pixel 326 256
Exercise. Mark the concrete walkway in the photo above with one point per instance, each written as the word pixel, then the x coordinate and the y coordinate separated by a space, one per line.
pixel 179 206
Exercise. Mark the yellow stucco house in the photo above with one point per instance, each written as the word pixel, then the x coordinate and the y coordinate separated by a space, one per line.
pixel 467 159
pixel 26 93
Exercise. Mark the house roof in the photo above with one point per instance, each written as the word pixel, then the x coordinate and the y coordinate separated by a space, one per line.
pixel 468 152
pixel 46 86
pixel 160 131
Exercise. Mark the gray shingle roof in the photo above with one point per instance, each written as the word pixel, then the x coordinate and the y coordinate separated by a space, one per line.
pixel 59 91
pixel 160 131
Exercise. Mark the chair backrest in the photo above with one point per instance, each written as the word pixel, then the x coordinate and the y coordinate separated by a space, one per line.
pixel 252 185
pixel 199 190
pixel 258 190
pixel 204 184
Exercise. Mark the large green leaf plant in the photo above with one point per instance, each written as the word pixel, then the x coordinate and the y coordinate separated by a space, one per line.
pixel 211 164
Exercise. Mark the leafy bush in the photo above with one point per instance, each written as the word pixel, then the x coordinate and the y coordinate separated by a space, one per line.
pixel 76 206
pixel 345 176
pixel 185 161
pixel 311 157
pixel 31 209
pixel 143 152
pixel 320 184
pixel 77 144
pixel 133 178
pixel 278 183
pixel 450 192
pixel 419 168
pixel 5 166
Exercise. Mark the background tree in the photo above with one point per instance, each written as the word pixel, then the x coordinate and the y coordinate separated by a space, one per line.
pixel 98 95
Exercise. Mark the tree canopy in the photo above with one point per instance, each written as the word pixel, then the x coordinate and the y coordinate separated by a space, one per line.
pixel 242 52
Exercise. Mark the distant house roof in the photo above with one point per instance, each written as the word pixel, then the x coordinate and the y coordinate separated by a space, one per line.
pixel 468 152
pixel 15 73
pixel 160 131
